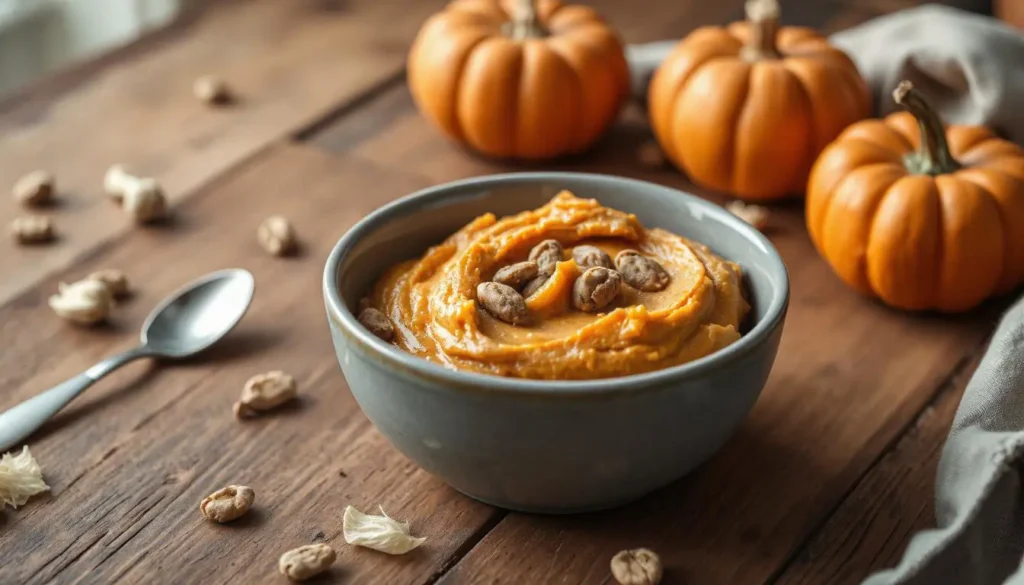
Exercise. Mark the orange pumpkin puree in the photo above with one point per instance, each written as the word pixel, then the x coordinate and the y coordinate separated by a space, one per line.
pixel 431 301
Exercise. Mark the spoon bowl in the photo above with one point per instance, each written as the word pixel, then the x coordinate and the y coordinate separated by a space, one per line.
pixel 199 314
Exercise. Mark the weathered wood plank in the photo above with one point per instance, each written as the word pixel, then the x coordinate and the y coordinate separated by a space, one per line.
pixel 130 461
pixel 850 376
pixel 291 62
pixel 895 499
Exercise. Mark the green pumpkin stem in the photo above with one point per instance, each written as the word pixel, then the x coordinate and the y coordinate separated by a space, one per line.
pixel 525 23
pixel 763 18
pixel 932 156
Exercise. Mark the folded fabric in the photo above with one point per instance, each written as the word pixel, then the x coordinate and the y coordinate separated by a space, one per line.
pixel 971 66
pixel 979 493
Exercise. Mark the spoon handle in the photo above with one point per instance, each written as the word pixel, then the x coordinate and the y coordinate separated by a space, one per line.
pixel 20 421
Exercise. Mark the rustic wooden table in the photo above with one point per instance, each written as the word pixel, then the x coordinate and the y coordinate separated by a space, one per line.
pixel 825 481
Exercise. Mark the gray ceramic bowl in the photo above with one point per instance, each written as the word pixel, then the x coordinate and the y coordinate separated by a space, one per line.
pixel 543 446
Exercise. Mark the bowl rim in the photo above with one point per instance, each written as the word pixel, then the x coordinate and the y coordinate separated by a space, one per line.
pixel 407 363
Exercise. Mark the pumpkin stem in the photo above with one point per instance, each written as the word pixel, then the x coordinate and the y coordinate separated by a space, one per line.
pixel 525 23
pixel 932 156
pixel 763 17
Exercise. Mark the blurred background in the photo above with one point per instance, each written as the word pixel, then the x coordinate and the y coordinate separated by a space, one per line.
pixel 40 36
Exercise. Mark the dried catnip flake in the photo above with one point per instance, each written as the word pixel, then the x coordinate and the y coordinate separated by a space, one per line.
pixel 382 533
pixel 20 478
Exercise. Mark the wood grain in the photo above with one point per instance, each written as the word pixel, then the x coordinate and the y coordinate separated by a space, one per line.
pixel 291 62
pixel 130 461
pixel 816 487
pixel 894 500
pixel 850 377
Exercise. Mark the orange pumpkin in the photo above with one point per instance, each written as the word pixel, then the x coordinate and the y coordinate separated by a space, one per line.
pixel 746 109
pixel 920 216
pixel 518 80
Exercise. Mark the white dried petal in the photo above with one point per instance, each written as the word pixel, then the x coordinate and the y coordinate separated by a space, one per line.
pixel 35 189
pixel 144 200
pixel 755 215
pixel 115 280
pixel 265 392
pixel 20 478
pixel 84 302
pixel 382 533
pixel 276 235
pixel 306 562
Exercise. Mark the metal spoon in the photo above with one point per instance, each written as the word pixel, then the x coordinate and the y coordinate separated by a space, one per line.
pixel 185 323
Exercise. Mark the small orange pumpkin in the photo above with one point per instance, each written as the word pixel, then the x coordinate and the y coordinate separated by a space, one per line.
pixel 746 109
pixel 516 80
pixel 917 215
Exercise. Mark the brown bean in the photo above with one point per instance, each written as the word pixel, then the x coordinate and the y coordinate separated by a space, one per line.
pixel 534 285
pixel 641 272
pixel 377 323
pixel 590 256
pixel 595 289
pixel 547 255
pixel 516 274
pixel 502 302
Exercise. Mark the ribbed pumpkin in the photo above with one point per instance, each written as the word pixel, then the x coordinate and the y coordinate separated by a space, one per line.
pixel 746 109
pixel 921 216
pixel 519 80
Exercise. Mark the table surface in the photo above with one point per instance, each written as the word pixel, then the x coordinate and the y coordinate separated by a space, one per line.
pixel 822 484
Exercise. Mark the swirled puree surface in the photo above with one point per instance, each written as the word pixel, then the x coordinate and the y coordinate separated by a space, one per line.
pixel 433 306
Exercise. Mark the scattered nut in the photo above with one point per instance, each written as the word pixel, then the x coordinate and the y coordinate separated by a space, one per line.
pixel 32 229
pixel 641 272
pixel 595 289
pixel 265 392
pixel 145 202
pixel 547 255
pixel 534 285
pixel 517 274
pixel 377 323
pixel 142 197
pixel 306 561
pixel 276 235
pixel 116 181
pixel 115 281
pixel 364 303
pixel 650 155
pixel 35 189
pixel 227 504
pixel 211 90
pixel 755 215
pixel 590 256
pixel 638 566
pixel 85 302
pixel 502 302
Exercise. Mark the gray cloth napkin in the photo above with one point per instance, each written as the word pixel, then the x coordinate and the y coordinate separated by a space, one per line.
pixel 971 66
pixel 979 492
